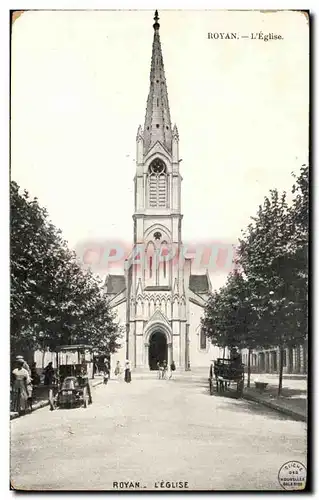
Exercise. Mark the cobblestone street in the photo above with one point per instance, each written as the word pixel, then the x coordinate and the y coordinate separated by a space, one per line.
pixel 151 431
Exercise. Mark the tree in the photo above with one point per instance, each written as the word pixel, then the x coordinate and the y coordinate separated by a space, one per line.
pixel 34 251
pixel 272 255
pixel 264 302
pixel 53 300
pixel 230 318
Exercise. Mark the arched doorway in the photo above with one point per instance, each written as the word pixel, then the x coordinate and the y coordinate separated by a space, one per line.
pixel 157 349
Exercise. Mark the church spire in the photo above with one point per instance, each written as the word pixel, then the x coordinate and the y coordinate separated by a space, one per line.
pixel 157 125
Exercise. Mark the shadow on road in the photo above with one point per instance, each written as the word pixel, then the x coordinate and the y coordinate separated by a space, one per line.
pixel 250 407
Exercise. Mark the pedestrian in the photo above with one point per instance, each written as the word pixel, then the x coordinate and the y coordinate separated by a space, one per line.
pixel 173 368
pixel 34 374
pixel 106 368
pixel 235 357
pixel 25 364
pixel 127 375
pixel 159 369
pixel 29 384
pixel 164 372
pixel 48 374
pixel 20 394
pixel 106 373
pixel 117 371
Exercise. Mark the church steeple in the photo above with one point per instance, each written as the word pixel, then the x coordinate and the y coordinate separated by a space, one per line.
pixel 157 125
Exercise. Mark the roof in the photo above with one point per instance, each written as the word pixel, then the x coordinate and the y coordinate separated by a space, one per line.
pixel 115 283
pixel 73 347
pixel 198 283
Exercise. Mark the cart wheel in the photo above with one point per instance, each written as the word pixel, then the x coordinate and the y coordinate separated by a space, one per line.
pixel 51 400
pixel 85 397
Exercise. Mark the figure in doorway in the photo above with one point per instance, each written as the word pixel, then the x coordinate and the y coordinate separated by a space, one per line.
pixel 159 368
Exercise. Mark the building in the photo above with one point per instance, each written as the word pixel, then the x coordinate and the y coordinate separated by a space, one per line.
pixel 295 360
pixel 159 300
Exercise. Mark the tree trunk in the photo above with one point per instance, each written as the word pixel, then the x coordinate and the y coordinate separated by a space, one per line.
pixel 224 352
pixel 281 369
pixel 43 355
pixel 248 367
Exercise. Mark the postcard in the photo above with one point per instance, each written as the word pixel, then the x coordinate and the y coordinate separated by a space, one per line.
pixel 159 198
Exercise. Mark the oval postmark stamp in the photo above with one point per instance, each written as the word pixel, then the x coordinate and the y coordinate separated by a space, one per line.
pixel 292 476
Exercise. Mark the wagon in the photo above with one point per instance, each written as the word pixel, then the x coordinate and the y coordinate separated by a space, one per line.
pixel 71 387
pixel 225 375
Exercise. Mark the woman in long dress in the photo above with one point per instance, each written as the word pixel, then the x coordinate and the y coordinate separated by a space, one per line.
pixel 117 371
pixel 20 393
pixel 127 376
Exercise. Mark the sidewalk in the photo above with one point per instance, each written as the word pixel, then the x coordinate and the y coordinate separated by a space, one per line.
pixel 40 404
pixel 293 400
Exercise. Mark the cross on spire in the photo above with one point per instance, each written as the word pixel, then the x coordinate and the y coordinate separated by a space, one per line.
pixel 156 19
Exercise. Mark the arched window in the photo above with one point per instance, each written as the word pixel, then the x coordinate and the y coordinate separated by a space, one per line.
pixel 150 260
pixel 157 184
pixel 151 266
pixel 203 339
pixel 163 268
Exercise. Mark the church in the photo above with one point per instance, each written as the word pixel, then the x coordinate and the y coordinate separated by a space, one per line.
pixel 158 301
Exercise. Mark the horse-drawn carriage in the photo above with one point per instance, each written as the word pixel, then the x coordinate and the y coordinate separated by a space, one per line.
pixel 71 386
pixel 226 374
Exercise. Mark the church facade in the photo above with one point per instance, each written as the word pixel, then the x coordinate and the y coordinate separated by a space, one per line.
pixel 158 300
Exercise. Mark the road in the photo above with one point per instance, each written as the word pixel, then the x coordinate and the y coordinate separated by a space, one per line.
pixel 152 432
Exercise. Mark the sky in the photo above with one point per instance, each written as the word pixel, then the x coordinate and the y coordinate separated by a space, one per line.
pixel 78 94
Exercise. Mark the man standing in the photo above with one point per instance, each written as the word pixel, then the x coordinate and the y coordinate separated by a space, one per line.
pixel 48 374
pixel 235 356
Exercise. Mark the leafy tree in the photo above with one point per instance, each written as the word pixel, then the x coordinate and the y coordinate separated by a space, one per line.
pixel 53 300
pixel 266 258
pixel 34 249
pixel 230 318
pixel 264 303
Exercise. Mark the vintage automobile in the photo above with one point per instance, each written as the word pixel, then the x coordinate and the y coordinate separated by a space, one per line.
pixel 72 387
pixel 74 391
pixel 225 374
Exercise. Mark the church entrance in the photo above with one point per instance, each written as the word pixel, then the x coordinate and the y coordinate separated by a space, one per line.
pixel 157 349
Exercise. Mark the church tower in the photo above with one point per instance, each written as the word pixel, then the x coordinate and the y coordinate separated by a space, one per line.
pixel 157 291
pixel 159 300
